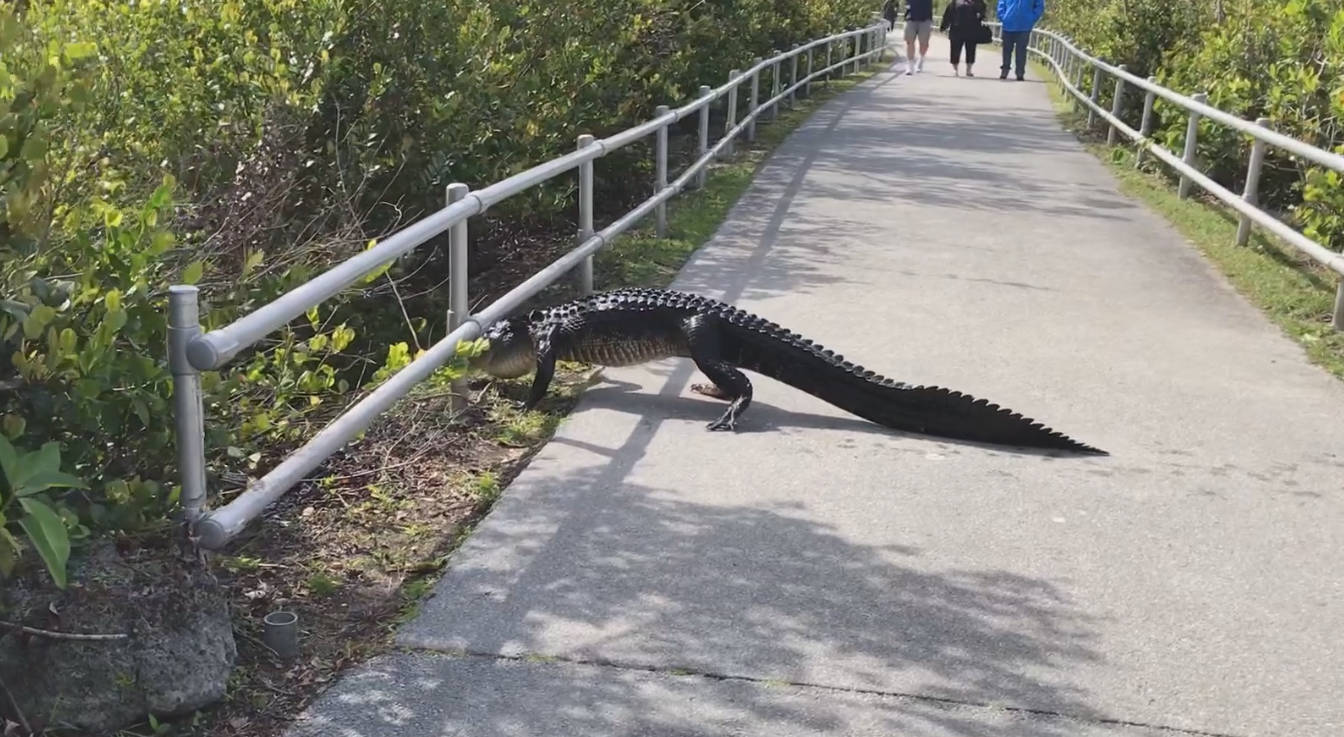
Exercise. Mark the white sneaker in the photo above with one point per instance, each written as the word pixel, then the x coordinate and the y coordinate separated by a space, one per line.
pixel 909 68
pixel 920 66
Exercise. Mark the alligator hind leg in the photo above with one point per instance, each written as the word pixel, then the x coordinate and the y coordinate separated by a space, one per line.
pixel 702 336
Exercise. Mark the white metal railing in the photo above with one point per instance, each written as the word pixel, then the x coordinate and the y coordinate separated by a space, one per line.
pixel 192 351
pixel 1070 63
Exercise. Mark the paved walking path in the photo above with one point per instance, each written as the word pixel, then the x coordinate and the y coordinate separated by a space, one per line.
pixel 813 574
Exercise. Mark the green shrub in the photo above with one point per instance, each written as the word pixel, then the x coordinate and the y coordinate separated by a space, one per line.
pixel 1255 58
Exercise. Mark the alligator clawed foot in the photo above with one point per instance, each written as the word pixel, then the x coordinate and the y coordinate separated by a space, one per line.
pixel 726 422
pixel 710 390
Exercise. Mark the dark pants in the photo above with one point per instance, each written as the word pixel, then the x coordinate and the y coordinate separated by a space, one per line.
pixel 1015 40
pixel 957 43
pixel 891 23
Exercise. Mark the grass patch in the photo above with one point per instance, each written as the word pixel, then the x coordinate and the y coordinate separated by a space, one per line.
pixel 1295 292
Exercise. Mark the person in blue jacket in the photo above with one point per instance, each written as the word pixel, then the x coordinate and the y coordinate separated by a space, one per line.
pixel 1018 18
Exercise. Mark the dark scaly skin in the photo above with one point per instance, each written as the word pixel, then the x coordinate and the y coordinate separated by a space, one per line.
pixel 630 326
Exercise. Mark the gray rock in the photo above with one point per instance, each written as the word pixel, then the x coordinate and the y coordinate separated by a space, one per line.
pixel 177 657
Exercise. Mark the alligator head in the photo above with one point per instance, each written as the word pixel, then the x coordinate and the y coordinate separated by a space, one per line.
pixel 511 353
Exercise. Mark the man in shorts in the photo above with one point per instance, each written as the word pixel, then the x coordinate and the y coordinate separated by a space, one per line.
pixel 918 23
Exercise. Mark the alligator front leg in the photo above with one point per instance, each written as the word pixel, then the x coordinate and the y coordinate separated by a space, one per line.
pixel 702 337
pixel 546 352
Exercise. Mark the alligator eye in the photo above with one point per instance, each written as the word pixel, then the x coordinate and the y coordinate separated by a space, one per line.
pixel 536 315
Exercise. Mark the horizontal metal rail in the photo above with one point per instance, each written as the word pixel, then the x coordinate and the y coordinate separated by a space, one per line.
pixel 198 351
pixel 1061 54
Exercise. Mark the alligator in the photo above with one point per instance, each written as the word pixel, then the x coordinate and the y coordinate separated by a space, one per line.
pixel 629 326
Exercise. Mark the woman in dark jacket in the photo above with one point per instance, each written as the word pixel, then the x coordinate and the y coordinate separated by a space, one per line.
pixel 964 18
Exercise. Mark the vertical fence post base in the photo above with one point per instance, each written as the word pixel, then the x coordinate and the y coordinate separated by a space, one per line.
pixel 184 324
pixel 1191 142
pixel 1338 320
pixel 1251 194
pixel 584 274
pixel 458 304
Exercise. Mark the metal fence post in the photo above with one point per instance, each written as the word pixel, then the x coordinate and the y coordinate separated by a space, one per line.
pixel 704 138
pixel 660 173
pixel 1096 93
pixel 755 93
pixel 585 276
pixel 826 79
pixel 458 304
pixel 793 79
pixel 1078 65
pixel 772 112
pixel 807 88
pixel 1191 140
pixel 184 324
pixel 1115 105
pixel 1146 127
pixel 730 121
pixel 1251 194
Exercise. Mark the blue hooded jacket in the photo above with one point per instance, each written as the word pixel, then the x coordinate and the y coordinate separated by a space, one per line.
pixel 1020 15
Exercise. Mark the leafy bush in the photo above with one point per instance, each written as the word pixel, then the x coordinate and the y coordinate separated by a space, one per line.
pixel 1137 33
pixel 1285 62
pixel 1255 58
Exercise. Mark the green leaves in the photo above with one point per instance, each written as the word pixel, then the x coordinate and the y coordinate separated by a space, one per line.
pixel 26 476
pixel 39 470
pixel 48 535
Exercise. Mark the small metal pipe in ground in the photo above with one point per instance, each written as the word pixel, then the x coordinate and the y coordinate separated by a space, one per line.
pixel 280 632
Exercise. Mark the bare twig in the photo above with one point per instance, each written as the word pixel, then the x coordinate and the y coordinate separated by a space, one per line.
pixel 61 635
pixel 401 304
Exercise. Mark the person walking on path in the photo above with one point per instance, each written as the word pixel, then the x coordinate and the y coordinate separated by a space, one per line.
pixel 918 24
pixel 963 21
pixel 1018 18
pixel 889 12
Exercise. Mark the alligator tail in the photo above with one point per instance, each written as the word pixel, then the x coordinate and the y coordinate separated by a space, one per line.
pixel 767 349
